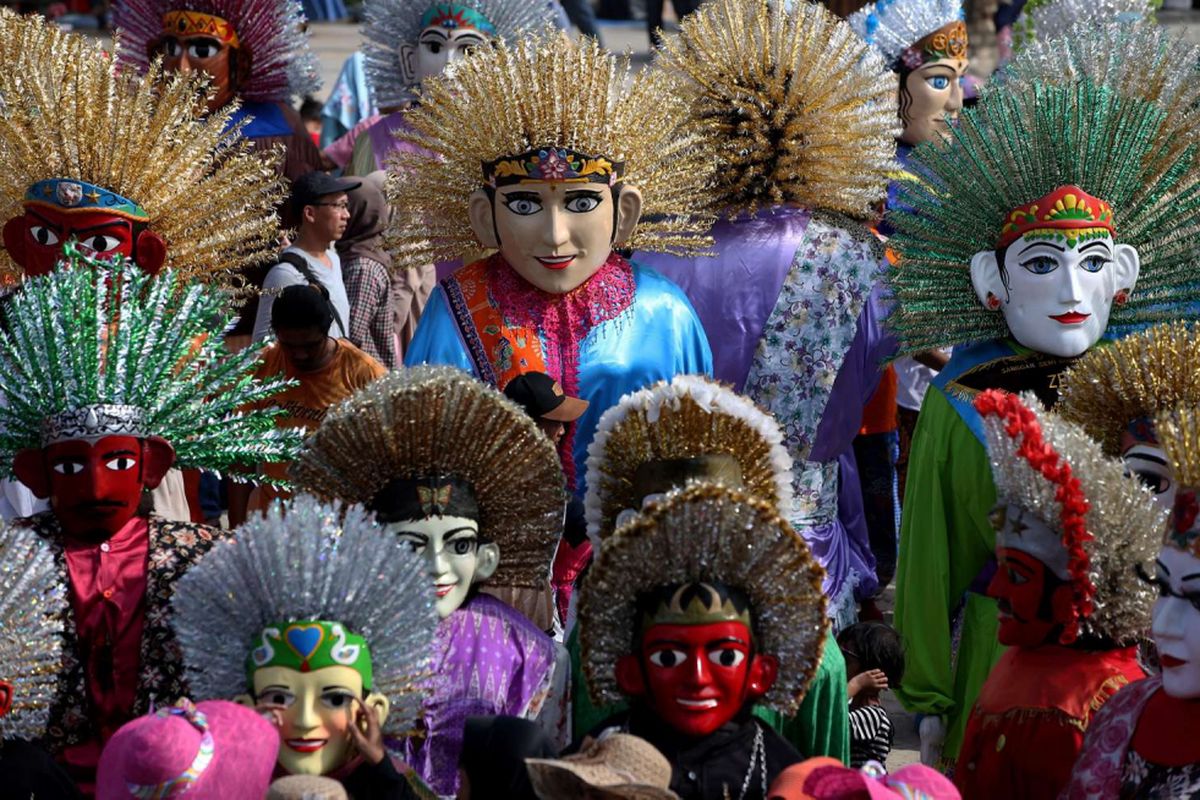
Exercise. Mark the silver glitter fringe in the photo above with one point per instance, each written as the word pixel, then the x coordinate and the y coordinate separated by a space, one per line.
pixel 1126 524
pixel 95 333
pixel 1044 20
pixel 708 533
pixel 319 562
pixel 32 605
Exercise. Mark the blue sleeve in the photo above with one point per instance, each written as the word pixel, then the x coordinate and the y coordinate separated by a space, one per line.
pixel 436 340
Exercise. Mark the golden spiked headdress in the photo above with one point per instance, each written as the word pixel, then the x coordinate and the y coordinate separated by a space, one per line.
pixel 1073 508
pixel 688 417
pixel 79 134
pixel 802 110
pixel 548 108
pixel 426 423
pixel 1038 155
pixel 1131 381
pixel 707 534
pixel 1178 431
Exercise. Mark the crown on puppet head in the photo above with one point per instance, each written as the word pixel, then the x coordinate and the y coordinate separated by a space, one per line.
pixel 453 15
pixel 1074 509
pixel 271 32
pixel 696 604
pixel 552 164
pixel 912 32
pixel 308 586
pixel 80 135
pixel 1067 214
pixel 101 348
pixel 1178 432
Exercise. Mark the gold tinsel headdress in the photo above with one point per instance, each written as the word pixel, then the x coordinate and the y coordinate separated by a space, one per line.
pixel 1131 381
pixel 707 534
pixel 1178 431
pixel 1074 509
pixel 688 417
pixel 69 117
pixel 1027 141
pixel 802 110
pixel 551 109
pixel 439 422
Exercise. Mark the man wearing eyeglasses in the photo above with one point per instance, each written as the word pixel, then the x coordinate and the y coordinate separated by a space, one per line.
pixel 321 204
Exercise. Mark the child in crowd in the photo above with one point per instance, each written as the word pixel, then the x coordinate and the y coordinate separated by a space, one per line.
pixel 874 662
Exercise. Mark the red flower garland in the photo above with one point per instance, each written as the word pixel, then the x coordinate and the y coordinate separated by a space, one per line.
pixel 1022 422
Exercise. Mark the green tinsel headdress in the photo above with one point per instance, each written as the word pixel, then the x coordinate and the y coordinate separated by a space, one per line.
pixel 100 348
pixel 1019 144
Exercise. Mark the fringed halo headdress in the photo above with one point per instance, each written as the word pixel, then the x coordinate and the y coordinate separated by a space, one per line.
pixel 103 349
pixel 549 109
pixel 1128 383
pixel 688 418
pixel 1067 504
pixel 1038 157
pixel 389 25
pixel 1048 20
pixel 268 33
pixel 32 604
pixel 909 33
pixel 1178 431
pixel 78 135
pixel 708 534
pixel 441 427
pixel 309 586
pixel 801 110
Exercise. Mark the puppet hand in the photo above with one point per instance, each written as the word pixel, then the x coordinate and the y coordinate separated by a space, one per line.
pixel 933 734
pixel 366 733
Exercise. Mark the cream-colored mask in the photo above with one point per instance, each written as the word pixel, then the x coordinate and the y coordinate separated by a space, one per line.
pixel 455 555
pixel 317 710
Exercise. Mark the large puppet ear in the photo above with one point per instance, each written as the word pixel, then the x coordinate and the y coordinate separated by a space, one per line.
pixel 406 59
pixel 763 672
pixel 151 252
pixel 157 457
pixel 14 240
pixel 6 697
pixel 630 679
pixel 1126 267
pixel 30 467
pixel 985 277
pixel 487 560
pixel 483 223
pixel 379 705
pixel 629 211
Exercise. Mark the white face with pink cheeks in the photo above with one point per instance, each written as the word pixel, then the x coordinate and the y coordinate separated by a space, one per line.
pixel 1176 621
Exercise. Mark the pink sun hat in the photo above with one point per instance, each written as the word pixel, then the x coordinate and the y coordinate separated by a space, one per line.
pixel 215 750
pixel 833 781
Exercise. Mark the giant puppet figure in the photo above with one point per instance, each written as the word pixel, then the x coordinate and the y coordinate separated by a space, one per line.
pixel 801 120
pixel 463 476
pixel 555 176
pixel 1143 743
pixel 119 163
pixel 1071 528
pixel 407 41
pixel 110 377
pixel 256 52
pixel 269 619
pixel 33 604
pixel 1031 271
pixel 701 606
pixel 691 429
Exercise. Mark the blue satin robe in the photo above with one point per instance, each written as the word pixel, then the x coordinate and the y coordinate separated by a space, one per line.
pixel 655 339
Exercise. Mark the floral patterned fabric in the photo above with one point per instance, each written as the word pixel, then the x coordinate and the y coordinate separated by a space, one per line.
pixel 1100 771
pixel 174 547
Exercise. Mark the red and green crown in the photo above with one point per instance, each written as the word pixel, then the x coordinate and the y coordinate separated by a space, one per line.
pixel 1068 213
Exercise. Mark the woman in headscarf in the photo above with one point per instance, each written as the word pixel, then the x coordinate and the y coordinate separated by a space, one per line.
pixel 366 271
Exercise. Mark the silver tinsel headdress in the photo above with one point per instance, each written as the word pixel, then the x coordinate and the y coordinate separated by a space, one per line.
pixel 306 561
pixel 714 534
pixel 32 604
pixel 893 26
pixel 689 416
pixel 1058 481
pixel 390 24
pixel 270 33
pixel 99 349
pixel 439 422
pixel 1049 20
pixel 1020 143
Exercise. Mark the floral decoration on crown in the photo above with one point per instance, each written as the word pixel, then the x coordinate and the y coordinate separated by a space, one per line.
pixel 1067 212
pixel 949 41
pixel 552 164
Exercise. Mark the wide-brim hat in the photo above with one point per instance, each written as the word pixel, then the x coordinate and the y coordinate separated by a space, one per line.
pixel 617 766
pixel 213 746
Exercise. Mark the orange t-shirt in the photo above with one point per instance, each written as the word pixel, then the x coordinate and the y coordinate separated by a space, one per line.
pixel 306 404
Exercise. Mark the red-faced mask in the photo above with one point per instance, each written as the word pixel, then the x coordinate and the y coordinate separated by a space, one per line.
pixel 1034 605
pixel 35 241
pixel 95 488
pixel 697 677
pixel 6 697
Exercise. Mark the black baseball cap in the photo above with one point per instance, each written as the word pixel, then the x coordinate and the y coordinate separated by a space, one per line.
pixel 543 398
pixel 308 189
